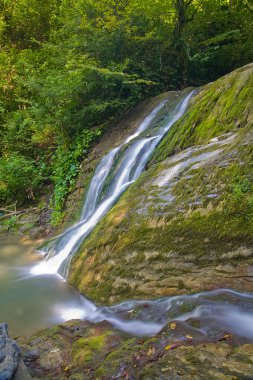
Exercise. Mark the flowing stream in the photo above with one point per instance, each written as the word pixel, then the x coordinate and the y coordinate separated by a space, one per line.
pixel 29 302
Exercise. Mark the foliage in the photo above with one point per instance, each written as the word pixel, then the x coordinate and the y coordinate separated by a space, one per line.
pixel 243 192
pixel 65 170
pixel 11 223
pixel 18 178
pixel 70 69
pixel 242 188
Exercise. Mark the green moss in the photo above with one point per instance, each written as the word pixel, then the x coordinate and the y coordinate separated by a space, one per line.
pixel 84 348
pixel 52 332
pixel 115 360
pixel 220 107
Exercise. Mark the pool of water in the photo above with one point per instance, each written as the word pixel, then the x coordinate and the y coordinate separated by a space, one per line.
pixel 29 303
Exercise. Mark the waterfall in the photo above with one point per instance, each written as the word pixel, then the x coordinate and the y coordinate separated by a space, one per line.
pixel 115 173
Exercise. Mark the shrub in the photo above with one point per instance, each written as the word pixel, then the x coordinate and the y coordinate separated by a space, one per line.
pixel 18 179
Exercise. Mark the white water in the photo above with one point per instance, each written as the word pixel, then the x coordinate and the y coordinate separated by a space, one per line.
pixel 217 312
pixel 117 170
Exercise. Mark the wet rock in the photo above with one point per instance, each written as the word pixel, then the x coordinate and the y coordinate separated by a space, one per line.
pixel 195 204
pixel 22 372
pixel 31 356
pixel 177 352
pixel 196 216
pixel 37 232
pixel 9 354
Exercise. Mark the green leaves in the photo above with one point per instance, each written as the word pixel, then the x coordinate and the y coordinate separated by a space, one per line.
pixel 69 69
pixel 66 162
pixel 18 179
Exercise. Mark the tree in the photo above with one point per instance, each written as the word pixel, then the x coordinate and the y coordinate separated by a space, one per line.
pixel 184 15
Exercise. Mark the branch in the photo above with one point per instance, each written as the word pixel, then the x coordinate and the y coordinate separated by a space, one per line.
pixel 15 213
pixel 7 208
pixel 189 19
pixel 188 2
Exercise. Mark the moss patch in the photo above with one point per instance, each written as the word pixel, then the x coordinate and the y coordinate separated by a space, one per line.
pixel 84 349
pixel 223 106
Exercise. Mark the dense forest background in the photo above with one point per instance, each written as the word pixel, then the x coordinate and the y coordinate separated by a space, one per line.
pixel 70 68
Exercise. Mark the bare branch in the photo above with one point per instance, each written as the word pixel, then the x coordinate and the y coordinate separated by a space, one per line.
pixel 16 213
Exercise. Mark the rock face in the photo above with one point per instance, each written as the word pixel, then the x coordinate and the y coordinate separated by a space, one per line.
pixel 186 225
pixel 9 354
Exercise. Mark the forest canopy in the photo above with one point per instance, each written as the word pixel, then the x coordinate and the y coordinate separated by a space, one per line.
pixel 70 68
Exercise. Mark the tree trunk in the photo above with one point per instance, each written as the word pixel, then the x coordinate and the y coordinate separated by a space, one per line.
pixel 179 44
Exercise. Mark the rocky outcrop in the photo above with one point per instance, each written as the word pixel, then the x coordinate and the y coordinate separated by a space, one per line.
pixel 9 354
pixel 186 224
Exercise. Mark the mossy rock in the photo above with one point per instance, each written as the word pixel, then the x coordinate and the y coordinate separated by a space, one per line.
pixel 194 232
pixel 107 355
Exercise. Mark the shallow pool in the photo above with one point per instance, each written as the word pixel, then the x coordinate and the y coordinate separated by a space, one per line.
pixel 29 303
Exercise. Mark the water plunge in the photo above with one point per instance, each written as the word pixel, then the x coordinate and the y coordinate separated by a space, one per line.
pixel 115 173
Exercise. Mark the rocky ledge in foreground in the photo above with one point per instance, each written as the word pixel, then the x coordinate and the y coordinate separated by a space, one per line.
pixel 80 350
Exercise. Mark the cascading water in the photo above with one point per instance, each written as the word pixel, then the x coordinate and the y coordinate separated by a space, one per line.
pixel 206 316
pixel 117 170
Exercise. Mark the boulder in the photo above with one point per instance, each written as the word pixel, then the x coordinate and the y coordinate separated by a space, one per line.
pixel 9 354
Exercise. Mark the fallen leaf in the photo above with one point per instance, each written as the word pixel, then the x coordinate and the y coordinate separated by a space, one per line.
pixel 172 346
pixel 173 326
pixel 225 337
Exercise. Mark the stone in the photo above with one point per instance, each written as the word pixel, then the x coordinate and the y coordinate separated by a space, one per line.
pixel 31 356
pixel 9 354
pixel 178 352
